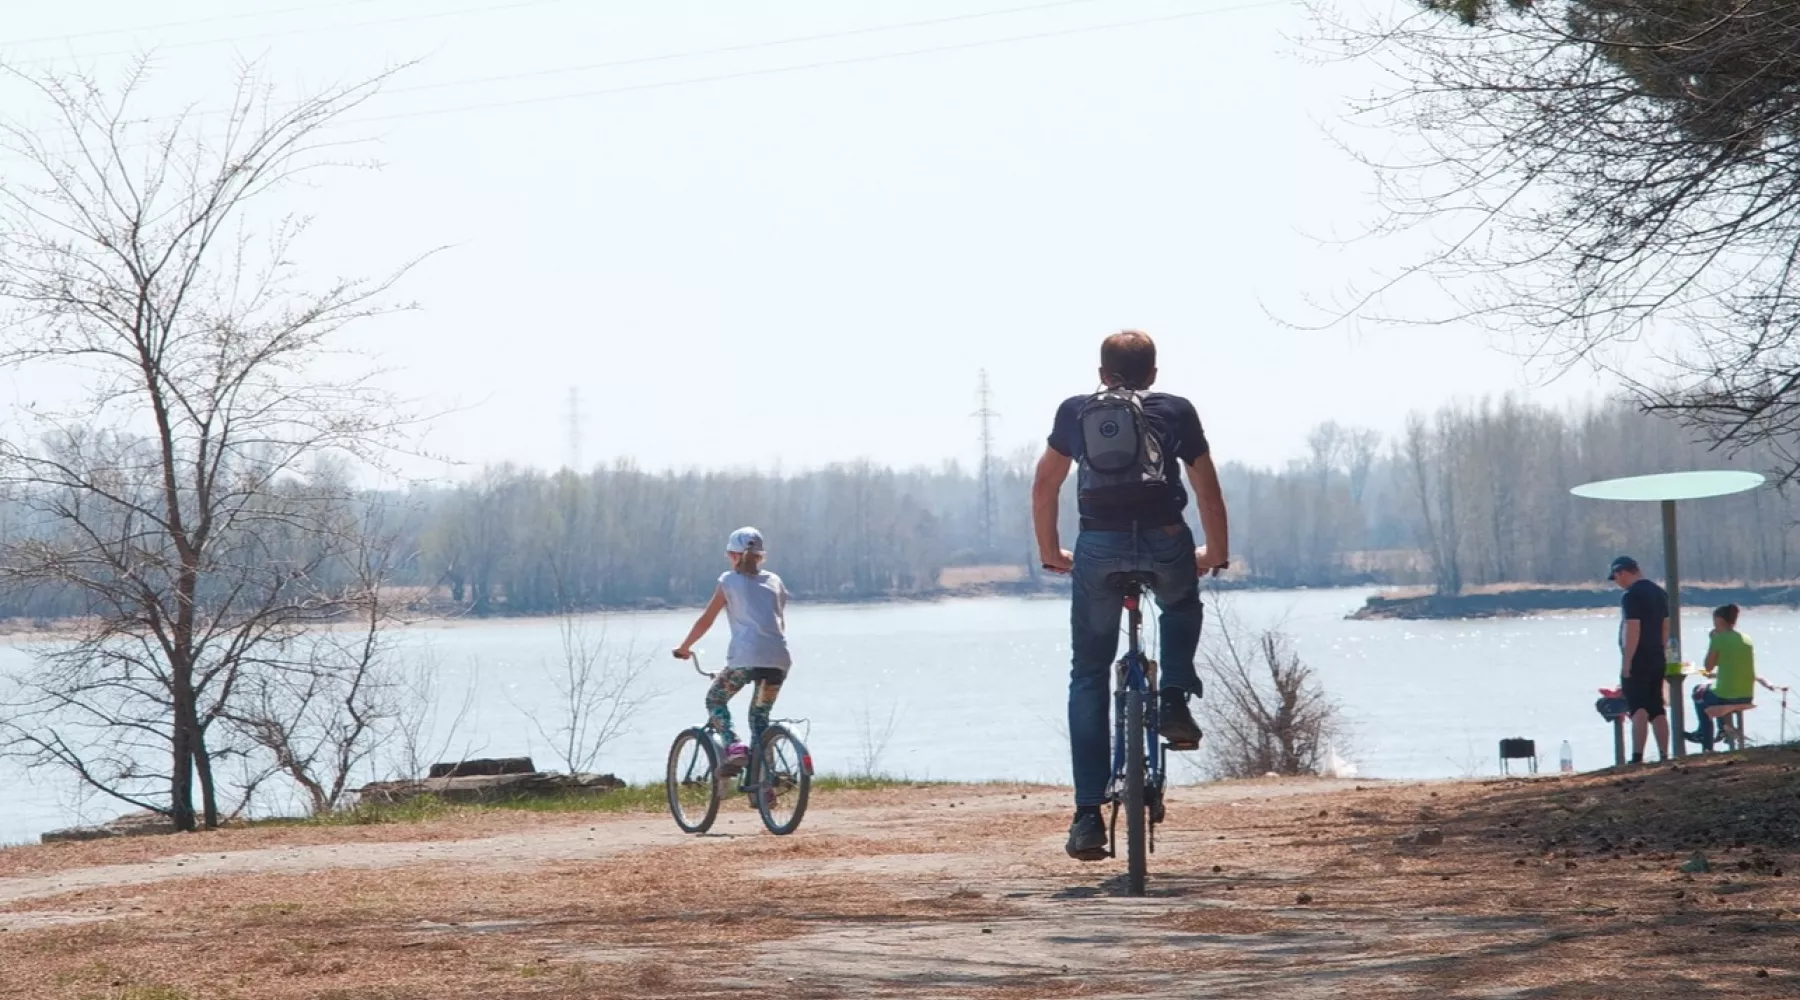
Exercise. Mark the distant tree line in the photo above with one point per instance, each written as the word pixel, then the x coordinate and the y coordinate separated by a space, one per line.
pixel 1485 495
pixel 1472 495
pixel 1477 494
pixel 525 541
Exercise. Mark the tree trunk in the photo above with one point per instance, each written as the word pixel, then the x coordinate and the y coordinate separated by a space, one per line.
pixel 181 774
pixel 209 798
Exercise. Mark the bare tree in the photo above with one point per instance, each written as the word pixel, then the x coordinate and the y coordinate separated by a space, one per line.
pixel 1434 490
pixel 321 704
pixel 1264 709
pixel 599 687
pixel 180 498
pixel 1595 174
pixel 419 739
pixel 873 738
pixel 1360 451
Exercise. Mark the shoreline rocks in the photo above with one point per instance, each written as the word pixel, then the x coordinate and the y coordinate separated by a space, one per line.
pixel 138 824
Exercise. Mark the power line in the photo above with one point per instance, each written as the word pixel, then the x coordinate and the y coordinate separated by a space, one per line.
pixel 670 56
pixel 825 64
pixel 215 19
pixel 770 71
pixel 743 47
pixel 435 15
pixel 748 46
pixel 304 29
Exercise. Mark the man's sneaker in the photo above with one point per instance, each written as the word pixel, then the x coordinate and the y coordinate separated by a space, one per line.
pixel 1153 798
pixel 1176 723
pixel 736 756
pixel 1087 837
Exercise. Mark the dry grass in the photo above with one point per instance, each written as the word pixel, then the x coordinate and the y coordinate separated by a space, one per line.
pixel 1551 888
pixel 456 825
pixel 445 823
pixel 448 930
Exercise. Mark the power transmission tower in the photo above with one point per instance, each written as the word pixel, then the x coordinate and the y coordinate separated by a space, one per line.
pixel 574 429
pixel 988 514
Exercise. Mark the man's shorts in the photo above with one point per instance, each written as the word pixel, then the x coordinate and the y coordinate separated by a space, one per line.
pixel 1644 693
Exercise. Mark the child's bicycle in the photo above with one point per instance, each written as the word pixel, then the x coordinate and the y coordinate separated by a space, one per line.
pixel 777 777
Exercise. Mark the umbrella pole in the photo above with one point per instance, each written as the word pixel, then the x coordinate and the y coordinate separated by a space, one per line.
pixel 1672 566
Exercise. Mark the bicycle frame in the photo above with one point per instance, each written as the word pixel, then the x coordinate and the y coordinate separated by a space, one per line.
pixel 1136 672
pixel 750 778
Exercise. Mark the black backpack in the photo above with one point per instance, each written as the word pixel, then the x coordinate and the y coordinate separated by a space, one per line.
pixel 1121 457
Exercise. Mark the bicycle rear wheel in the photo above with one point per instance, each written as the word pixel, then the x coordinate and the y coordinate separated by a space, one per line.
pixel 785 781
pixel 1136 849
pixel 693 781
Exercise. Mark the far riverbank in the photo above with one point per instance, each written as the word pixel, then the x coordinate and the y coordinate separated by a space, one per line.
pixel 1522 601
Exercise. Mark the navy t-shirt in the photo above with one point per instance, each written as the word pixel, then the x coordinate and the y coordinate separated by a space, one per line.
pixel 1648 605
pixel 1177 426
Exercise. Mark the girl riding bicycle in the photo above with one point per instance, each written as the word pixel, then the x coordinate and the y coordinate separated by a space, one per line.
pixel 755 603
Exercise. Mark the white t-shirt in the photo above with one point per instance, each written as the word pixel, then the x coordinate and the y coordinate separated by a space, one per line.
pixel 756 607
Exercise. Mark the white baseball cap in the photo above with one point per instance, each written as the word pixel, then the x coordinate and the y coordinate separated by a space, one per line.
pixel 745 540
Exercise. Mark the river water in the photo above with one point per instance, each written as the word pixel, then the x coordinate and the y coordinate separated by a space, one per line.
pixel 974 689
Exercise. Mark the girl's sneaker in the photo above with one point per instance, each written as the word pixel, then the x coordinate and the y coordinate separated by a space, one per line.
pixel 736 756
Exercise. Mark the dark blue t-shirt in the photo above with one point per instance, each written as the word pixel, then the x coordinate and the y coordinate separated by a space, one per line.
pixel 1176 424
pixel 1648 605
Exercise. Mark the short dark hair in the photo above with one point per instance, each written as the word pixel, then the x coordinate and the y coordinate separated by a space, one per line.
pixel 1129 356
pixel 1728 614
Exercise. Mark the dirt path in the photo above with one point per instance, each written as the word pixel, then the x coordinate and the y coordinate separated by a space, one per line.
pixel 1278 890
pixel 591 840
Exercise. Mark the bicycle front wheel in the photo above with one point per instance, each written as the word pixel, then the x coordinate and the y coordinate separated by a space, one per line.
pixel 1136 851
pixel 786 781
pixel 693 781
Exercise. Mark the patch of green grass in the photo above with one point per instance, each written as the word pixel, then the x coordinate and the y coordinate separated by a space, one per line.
pixel 631 798
pixel 864 782
pixel 419 810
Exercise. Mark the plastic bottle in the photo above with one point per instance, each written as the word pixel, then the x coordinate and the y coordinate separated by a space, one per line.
pixel 1568 758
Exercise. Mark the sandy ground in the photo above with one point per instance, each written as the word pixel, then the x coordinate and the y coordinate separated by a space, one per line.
pixel 1278 889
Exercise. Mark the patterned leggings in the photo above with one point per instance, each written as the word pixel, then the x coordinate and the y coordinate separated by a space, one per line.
pixel 732 680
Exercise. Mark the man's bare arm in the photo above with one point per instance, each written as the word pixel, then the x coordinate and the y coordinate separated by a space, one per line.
pixel 1213 519
pixel 1046 490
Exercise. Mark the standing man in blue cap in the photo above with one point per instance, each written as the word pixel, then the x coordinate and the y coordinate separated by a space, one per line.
pixel 1643 637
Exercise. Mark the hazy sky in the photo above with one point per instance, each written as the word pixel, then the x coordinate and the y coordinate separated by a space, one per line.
pixel 804 249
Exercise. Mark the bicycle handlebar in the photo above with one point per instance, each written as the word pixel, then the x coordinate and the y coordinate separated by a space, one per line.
pixel 1215 571
pixel 694 658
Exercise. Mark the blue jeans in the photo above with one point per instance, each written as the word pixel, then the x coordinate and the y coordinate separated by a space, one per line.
pixel 1094 635
pixel 1705 698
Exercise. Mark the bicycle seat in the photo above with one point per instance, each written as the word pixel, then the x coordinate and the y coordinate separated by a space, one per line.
pixel 1128 582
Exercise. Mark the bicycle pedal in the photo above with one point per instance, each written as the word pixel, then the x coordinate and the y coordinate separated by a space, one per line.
pixel 1184 745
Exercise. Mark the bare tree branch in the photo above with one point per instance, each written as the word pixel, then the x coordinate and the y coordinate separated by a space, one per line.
pixel 1616 181
pixel 189 497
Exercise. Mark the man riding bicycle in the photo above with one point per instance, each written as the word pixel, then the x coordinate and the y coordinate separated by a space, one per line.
pixel 1130 444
